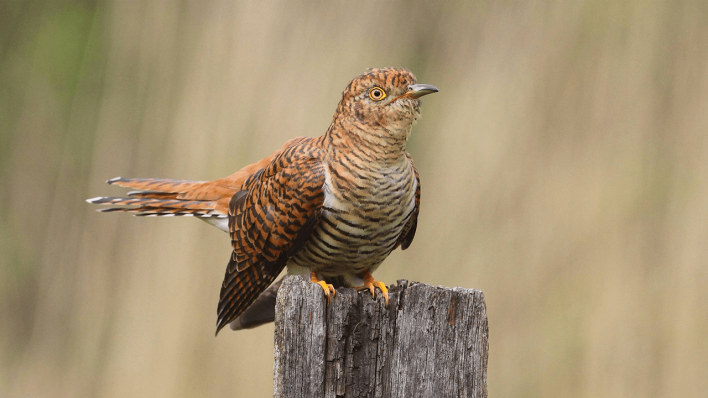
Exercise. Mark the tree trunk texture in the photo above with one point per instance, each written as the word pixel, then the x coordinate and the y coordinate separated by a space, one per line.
pixel 429 342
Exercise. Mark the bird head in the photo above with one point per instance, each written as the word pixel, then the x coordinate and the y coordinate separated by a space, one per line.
pixel 383 100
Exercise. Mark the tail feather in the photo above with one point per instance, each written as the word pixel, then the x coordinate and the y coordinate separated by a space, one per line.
pixel 154 184
pixel 164 212
pixel 176 189
pixel 147 202
pixel 168 198
pixel 152 195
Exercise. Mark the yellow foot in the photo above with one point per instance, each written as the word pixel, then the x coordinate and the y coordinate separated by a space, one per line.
pixel 327 287
pixel 371 284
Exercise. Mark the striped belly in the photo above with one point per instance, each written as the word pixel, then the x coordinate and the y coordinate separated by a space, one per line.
pixel 358 229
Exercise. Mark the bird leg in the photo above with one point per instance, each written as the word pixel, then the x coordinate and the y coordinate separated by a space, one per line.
pixel 327 287
pixel 371 284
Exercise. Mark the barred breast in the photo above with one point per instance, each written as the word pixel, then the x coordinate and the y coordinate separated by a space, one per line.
pixel 363 216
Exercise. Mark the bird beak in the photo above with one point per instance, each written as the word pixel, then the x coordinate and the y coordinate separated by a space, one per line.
pixel 419 90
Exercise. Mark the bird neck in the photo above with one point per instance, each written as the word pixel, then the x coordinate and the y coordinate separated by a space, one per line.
pixel 376 145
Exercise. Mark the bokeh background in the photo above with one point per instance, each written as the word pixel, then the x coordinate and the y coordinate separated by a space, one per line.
pixel 563 167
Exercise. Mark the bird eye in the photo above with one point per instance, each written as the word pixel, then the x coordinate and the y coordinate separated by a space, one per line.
pixel 377 94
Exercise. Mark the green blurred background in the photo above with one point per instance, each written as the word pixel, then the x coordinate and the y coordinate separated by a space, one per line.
pixel 563 167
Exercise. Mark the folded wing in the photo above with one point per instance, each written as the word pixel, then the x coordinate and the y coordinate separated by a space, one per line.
pixel 270 219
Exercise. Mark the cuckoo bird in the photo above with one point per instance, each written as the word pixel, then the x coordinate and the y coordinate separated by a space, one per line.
pixel 331 208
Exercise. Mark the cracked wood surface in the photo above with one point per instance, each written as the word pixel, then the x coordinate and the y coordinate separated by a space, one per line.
pixel 430 342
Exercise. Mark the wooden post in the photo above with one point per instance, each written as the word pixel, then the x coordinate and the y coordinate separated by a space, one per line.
pixel 429 342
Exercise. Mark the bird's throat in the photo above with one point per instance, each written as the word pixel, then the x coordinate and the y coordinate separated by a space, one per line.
pixel 373 145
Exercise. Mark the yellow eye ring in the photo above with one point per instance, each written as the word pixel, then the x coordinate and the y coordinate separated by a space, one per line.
pixel 377 94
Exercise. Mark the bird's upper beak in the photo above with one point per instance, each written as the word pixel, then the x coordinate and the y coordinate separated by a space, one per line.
pixel 419 90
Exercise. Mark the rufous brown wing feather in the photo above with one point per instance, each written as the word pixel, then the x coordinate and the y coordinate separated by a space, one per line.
pixel 269 218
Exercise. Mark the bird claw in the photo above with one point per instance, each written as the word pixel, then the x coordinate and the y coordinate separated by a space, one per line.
pixel 371 284
pixel 325 286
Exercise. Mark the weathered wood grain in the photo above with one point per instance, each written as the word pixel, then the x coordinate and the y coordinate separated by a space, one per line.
pixel 429 342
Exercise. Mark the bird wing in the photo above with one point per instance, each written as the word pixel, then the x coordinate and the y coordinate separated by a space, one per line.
pixel 261 311
pixel 408 233
pixel 270 219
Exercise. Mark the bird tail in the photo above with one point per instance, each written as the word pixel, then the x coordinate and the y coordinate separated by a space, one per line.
pixel 165 198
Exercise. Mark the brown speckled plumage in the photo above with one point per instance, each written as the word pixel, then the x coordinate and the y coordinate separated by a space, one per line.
pixel 336 205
